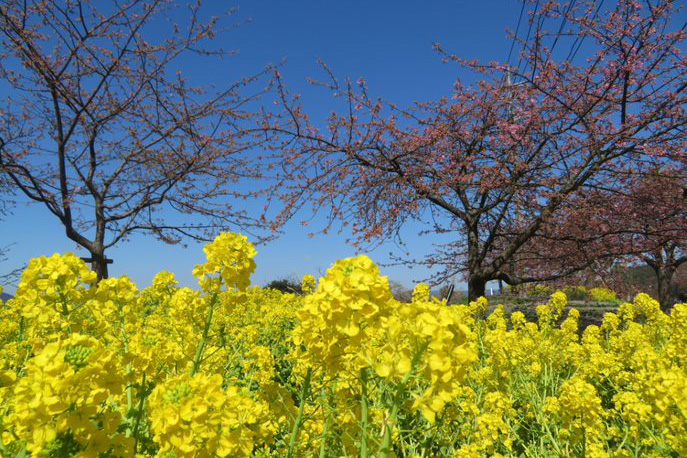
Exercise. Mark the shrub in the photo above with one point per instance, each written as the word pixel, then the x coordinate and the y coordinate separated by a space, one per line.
pixel 577 293
pixel 286 285
pixel 603 295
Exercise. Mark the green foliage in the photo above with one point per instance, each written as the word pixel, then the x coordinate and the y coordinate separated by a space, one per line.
pixel 576 293
pixel 286 285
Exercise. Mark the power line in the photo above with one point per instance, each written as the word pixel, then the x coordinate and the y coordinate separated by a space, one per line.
pixel 571 54
pixel 517 29
pixel 571 5
pixel 527 38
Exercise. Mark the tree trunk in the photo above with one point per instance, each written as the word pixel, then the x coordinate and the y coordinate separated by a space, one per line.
pixel 476 288
pixel 663 281
pixel 99 265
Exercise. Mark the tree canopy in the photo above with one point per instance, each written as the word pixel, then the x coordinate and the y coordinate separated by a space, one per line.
pixel 103 129
pixel 493 162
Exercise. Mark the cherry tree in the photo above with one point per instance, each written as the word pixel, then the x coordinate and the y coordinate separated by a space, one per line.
pixel 501 154
pixel 101 128
pixel 642 222
pixel 6 277
pixel 654 219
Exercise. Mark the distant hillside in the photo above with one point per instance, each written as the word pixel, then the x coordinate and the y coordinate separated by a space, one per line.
pixel 5 297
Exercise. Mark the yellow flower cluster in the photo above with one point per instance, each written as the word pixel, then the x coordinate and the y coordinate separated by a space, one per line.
pixel 602 295
pixel 230 257
pixel 446 359
pixel 578 408
pixel 195 416
pixel 343 314
pixel 591 294
pixel 51 296
pixel 421 293
pixel 492 430
pixel 345 370
pixel 63 400
pixel 308 284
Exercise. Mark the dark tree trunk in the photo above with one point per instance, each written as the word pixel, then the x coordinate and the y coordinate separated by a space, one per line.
pixel 664 278
pixel 99 265
pixel 664 265
pixel 476 288
pixel 96 249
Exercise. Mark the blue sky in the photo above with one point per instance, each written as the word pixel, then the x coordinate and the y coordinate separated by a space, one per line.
pixel 388 43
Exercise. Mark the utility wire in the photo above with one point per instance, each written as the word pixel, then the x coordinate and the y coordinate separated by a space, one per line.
pixel 571 5
pixel 517 29
pixel 573 50
pixel 527 38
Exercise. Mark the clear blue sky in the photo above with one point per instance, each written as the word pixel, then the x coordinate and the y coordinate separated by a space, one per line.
pixel 389 43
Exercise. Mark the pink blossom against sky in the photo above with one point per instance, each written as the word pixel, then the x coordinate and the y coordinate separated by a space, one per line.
pixel 388 43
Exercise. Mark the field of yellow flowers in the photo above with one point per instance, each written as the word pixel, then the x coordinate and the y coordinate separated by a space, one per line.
pixel 345 370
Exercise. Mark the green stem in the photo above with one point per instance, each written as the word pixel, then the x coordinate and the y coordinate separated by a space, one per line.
pixel 203 342
pixel 129 394
pixel 325 410
pixel 63 300
pixel 65 310
pixel 305 390
pixel 537 400
pixel 364 407
pixel 139 412
pixel 129 388
pixel 22 328
pixel 323 445
pixel 388 427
